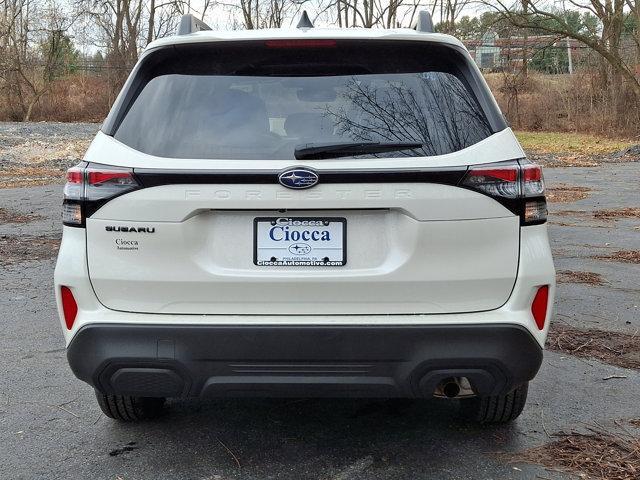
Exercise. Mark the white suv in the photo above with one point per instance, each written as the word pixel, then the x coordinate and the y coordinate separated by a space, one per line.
pixel 305 212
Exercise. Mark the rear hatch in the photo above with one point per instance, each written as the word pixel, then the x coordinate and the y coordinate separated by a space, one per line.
pixel 225 145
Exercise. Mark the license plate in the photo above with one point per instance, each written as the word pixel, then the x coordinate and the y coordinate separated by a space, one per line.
pixel 300 241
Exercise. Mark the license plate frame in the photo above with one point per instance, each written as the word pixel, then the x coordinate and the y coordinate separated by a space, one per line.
pixel 334 224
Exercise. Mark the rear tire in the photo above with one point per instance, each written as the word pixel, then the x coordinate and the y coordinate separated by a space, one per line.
pixel 126 408
pixel 498 408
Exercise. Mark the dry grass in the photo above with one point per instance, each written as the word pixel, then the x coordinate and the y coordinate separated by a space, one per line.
pixel 76 98
pixel 18 177
pixel 571 144
pixel 10 216
pixel 598 454
pixel 568 224
pixel 624 256
pixel 567 193
pixel 34 152
pixel 589 278
pixel 630 212
pixel 567 103
pixel 614 348
pixel 39 162
pixel 569 161
pixel 24 249
pixel 606 215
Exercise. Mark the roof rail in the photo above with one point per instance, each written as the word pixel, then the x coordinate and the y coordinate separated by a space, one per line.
pixel 189 24
pixel 424 22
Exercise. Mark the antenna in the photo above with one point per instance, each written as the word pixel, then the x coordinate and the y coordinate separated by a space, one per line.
pixel 190 24
pixel 305 21
pixel 424 22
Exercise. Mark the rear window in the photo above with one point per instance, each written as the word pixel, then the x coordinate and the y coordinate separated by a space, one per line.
pixel 262 100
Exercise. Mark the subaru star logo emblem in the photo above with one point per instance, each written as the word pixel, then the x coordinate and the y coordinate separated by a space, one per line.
pixel 299 248
pixel 298 178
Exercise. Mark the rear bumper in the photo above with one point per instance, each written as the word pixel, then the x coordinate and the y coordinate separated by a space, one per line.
pixel 301 361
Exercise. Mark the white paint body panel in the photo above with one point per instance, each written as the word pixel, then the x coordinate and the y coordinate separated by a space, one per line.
pixel 396 264
pixel 418 254
pixel 498 147
pixel 535 269
pixel 396 34
pixel 429 248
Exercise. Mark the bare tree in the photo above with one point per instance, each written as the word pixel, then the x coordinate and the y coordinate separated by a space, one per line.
pixel 606 42
pixel 265 14
pixel 450 10
pixel 369 13
pixel 395 13
pixel 31 35
pixel 163 17
pixel 119 23
pixel 124 27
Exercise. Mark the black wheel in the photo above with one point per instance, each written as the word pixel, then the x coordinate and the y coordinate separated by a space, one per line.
pixel 130 409
pixel 498 408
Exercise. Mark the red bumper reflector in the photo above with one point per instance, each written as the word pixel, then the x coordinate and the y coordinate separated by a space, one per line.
pixel 539 306
pixel 69 307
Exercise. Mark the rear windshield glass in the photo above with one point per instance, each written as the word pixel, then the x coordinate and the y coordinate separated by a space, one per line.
pixel 262 101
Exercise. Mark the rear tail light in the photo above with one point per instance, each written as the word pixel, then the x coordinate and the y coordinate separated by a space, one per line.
pixel 103 182
pixel 90 186
pixel 498 181
pixel 69 306
pixel 518 185
pixel 539 306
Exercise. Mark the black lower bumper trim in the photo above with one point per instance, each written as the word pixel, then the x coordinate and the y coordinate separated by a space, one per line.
pixel 301 361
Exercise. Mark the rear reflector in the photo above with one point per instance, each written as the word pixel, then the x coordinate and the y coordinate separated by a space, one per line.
pixel 539 306
pixel 69 306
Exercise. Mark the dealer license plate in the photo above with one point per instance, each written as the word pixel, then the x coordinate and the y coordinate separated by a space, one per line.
pixel 300 241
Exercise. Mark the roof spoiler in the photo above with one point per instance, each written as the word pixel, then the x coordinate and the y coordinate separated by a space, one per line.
pixel 424 22
pixel 190 24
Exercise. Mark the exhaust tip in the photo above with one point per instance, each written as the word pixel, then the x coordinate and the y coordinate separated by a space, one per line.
pixel 454 387
pixel 451 389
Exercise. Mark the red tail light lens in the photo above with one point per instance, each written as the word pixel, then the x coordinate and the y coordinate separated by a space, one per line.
pixel 495 181
pixel 539 306
pixel 69 306
pixel 97 177
pixel 508 174
pixel 74 188
pixel 518 185
pixel 74 176
pixel 532 180
pixel 108 182
pixel 88 187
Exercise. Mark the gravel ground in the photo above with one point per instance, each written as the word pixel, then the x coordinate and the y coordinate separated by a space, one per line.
pixel 50 425
pixel 39 153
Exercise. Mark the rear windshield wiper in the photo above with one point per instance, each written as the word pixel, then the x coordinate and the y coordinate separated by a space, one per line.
pixel 318 151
